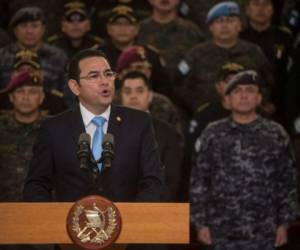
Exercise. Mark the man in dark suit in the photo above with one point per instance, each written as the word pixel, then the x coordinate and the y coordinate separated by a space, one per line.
pixel 136 93
pixel 54 169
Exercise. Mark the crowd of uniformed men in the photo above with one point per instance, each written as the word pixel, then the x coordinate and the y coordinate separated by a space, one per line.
pixel 185 52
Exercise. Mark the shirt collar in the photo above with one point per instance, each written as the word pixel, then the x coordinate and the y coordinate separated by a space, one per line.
pixel 87 116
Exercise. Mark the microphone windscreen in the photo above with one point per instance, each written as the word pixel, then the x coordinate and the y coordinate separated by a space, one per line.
pixel 84 137
pixel 108 138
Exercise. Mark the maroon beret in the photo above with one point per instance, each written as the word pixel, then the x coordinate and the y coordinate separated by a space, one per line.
pixel 130 55
pixel 23 78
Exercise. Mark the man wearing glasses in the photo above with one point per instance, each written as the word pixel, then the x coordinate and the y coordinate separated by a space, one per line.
pixel 54 169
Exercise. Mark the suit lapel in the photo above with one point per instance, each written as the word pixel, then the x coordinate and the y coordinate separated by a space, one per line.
pixel 114 124
pixel 76 124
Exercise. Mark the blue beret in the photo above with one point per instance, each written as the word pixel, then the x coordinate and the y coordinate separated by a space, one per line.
pixel 243 78
pixel 223 9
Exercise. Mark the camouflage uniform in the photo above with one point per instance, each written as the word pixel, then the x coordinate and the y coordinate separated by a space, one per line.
pixel 243 184
pixel 62 41
pixel 52 60
pixel 16 140
pixel 201 67
pixel 205 114
pixel 172 39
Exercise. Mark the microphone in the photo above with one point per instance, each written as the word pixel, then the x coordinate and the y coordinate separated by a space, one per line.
pixel 84 153
pixel 107 150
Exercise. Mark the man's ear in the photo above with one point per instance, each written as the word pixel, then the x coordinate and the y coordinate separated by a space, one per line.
pixel 150 96
pixel 74 87
pixel 227 101
pixel 42 97
pixel 10 96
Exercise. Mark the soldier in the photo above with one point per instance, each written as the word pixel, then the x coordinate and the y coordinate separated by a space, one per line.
pixel 18 131
pixel 243 183
pixel 101 11
pixel 122 27
pixel 136 93
pixel 135 58
pixel 275 42
pixel 202 63
pixel 168 32
pixel 27 60
pixel 211 111
pixel 75 28
pixel 28 25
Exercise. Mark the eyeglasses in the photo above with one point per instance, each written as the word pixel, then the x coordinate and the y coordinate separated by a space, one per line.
pixel 95 76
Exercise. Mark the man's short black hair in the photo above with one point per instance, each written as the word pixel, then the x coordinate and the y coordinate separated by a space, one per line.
pixel 135 75
pixel 73 69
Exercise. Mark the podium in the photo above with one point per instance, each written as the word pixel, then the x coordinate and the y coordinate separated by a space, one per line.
pixel 45 223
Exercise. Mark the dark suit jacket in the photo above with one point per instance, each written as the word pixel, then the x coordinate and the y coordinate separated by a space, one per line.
pixel 169 151
pixel 135 174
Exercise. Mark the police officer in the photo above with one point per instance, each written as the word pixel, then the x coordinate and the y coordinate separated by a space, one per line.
pixel 211 111
pixel 75 30
pixel 200 68
pixel 243 183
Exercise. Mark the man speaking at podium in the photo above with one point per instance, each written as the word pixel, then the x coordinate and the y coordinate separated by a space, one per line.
pixel 55 173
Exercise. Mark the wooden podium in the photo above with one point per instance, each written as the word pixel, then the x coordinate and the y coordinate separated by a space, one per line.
pixel 45 223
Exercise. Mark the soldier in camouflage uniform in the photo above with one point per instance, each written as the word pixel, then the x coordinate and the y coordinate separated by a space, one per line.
pixel 202 63
pixel 243 184
pixel 18 131
pixel 168 32
pixel 28 25
pixel 75 27
pixel 26 60
pixel 135 58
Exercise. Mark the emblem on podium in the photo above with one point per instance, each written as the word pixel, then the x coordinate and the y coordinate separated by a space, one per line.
pixel 94 222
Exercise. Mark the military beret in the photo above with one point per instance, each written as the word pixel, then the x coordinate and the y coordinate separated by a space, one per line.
pixel 243 78
pixel 122 11
pixel 24 78
pixel 75 11
pixel 229 68
pixel 26 57
pixel 130 55
pixel 223 9
pixel 27 14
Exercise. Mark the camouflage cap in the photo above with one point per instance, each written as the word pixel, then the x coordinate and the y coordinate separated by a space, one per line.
pixel 26 57
pixel 223 9
pixel 130 55
pixel 122 11
pixel 243 78
pixel 24 78
pixel 27 14
pixel 75 11
pixel 229 68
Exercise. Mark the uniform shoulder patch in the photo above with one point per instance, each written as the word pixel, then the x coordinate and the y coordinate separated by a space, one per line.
pixel 285 29
pixel 183 67
pixel 52 38
pixel 153 48
pixel 57 93
pixel 203 106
